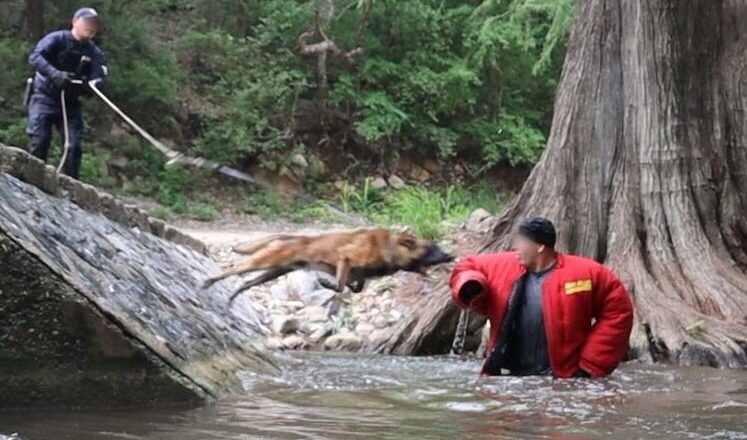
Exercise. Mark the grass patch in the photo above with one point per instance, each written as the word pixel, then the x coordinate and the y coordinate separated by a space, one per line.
pixel 203 212
pixel 427 212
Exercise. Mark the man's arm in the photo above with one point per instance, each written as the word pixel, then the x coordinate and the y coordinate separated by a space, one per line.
pixel 45 50
pixel 607 343
pixel 469 285
pixel 98 68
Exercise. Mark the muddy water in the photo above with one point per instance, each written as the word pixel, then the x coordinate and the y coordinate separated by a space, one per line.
pixel 323 396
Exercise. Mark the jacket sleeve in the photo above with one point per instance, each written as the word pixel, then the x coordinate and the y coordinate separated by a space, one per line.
pixel 470 269
pixel 98 67
pixel 607 343
pixel 45 50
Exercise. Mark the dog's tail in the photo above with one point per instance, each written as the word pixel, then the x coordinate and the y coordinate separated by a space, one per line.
pixel 250 248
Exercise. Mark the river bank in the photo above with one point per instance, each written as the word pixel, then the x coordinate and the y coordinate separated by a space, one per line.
pixel 301 313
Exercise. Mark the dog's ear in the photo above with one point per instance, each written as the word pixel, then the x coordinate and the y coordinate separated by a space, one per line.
pixel 407 240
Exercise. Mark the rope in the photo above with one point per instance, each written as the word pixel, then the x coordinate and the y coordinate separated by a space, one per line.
pixel 177 157
pixel 66 132
pixel 460 336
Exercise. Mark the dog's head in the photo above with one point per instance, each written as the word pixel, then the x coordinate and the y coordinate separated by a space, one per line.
pixel 415 254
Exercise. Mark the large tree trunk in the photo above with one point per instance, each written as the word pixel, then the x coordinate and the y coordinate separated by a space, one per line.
pixel 646 168
pixel 35 18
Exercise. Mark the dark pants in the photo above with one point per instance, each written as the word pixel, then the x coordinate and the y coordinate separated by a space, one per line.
pixel 45 112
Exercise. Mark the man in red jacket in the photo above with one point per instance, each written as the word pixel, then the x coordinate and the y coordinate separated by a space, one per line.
pixel 550 313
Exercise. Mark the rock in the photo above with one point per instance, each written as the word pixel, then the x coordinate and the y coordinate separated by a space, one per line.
pixel 305 286
pixel 334 307
pixel 319 331
pixel 432 166
pixel 294 305
pixel 294 342
pixel 302 282
pixel 299 160
pixel 378 183
pixel 283 325
pixel 313 314
pixel 419 174
pixel 478 220
pixel 97 312
pixel 364 328
pixel 340 185
pixel 394 316
pixel 380 322
pixel 274 343
pixel 396 182
pixel 345 341
pixel 378 337
pixel 320 297
pixel 280 291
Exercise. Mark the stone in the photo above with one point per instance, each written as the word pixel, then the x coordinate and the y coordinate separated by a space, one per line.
pixel 364 328
pixel 380 322
pixel 396 182
pixel 294 342
pixel 294 305
pixel 280 291
pixel 319 331
pixel 283 325
pixel 320 297
pixel 302 282
pixel 378 183
pixel 112 308
pixel 313 314
pixel 274 343
pixel 299 160
pixel 432 165
pixel 477 221
pixel 378 337
pixel 345 341
pixel 419 174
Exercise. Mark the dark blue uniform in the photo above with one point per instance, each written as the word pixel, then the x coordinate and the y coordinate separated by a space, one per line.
pixel 56 53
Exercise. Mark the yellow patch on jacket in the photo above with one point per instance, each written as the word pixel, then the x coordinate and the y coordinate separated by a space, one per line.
pixel 577 287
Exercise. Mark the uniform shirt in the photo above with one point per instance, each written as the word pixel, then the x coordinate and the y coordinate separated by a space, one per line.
pixel 59 52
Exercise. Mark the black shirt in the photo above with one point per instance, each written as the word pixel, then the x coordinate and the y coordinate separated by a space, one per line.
pixel 526 344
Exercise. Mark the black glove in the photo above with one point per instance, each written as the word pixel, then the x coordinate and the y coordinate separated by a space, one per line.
pixel 62 80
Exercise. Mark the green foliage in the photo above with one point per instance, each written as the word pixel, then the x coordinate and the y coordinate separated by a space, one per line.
pixel 161 212
pixel 366 200
pixel 426 212
pixel 472 78
pixel 204 212
pixel 262 202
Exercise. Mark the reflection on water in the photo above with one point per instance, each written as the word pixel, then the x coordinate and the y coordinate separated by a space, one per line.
pixel 325 396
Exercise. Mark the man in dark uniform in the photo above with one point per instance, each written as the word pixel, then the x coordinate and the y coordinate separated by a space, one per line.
pixel 61 58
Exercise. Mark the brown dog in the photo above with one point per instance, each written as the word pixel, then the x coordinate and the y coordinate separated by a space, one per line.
pixel 352 256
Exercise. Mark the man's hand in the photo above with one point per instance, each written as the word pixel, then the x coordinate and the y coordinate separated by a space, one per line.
pixel 469 291
pixel 62 80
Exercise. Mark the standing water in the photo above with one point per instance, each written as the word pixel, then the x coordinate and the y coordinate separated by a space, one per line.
pixel 334 396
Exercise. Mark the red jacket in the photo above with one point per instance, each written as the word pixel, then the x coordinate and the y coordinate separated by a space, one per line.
pixel 576 292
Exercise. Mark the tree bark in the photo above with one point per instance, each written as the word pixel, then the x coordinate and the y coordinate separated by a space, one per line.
pixel 646 169
pixel 35 18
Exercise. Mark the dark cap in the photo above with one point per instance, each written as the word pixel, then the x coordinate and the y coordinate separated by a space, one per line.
pixel 86 13
pixel 538 229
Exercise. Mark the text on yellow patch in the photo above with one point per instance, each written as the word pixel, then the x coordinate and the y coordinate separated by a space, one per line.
pixel 577 287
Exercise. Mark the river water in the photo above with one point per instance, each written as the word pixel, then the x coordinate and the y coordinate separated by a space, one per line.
pixel 334 396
